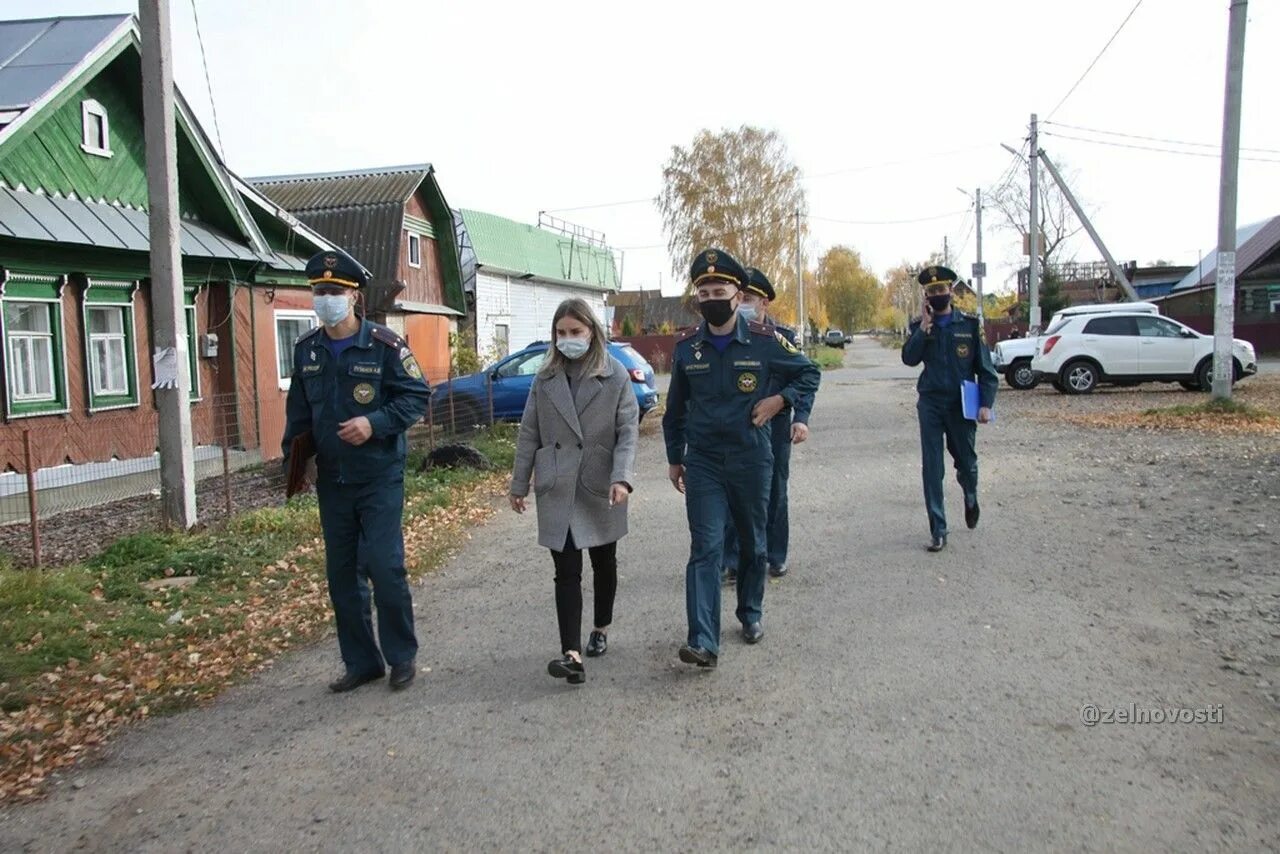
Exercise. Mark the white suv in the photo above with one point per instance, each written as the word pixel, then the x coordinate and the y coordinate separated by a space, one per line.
pixel 1126 348
pixel 1012 358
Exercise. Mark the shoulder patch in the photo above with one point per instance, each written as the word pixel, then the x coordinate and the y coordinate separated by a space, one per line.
pixel 308 334
pixel 785 342
pixel 386 336
pixel 686 333
pixel 759 328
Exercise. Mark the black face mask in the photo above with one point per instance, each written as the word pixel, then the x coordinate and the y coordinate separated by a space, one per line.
pixel 940 302
pixel 716 312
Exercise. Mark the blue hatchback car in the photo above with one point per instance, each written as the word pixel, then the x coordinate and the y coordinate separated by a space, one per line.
pixel 512 377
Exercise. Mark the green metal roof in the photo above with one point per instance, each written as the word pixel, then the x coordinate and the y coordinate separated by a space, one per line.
pixel 527 250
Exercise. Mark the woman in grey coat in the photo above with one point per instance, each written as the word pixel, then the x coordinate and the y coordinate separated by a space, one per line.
pixel 578 443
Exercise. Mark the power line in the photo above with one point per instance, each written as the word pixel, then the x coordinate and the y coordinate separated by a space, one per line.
pixel 650 199
pixel 1212 154
pixel 1095 59
pixel 719 236
pixel 1214 145
pixel 217 129
pixel 888 221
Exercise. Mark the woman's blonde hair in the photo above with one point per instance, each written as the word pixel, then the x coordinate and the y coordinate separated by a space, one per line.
pixel 595 361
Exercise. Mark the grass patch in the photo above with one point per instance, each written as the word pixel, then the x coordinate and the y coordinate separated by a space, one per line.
pixel 87 648
pixel 828 358
pixel 1219 417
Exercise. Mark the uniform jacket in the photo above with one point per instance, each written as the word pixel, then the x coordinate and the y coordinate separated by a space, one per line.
pixel 575 447
pixel 804 404
pixel 376 377
pixel 957 352
pixel 712 394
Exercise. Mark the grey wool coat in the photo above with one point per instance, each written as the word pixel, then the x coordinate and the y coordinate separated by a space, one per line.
pixel 575 450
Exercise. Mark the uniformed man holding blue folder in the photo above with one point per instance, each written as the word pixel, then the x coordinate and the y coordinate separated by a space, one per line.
pixel 950 345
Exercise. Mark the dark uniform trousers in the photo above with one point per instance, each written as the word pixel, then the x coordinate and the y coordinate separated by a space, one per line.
pixel 778 523
pixel 363 540
pixel 722 488
pixel 941 416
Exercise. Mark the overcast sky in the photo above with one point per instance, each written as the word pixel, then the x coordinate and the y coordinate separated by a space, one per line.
pixel 529 106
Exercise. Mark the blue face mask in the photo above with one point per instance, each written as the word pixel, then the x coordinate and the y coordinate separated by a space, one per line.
pixel 573 348
pixel 748 311
pixel 331 310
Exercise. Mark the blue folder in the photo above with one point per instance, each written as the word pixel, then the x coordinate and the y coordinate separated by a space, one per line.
pixel 970 401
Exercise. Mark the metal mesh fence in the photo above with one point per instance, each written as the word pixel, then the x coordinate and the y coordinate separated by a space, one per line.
pixel 70 489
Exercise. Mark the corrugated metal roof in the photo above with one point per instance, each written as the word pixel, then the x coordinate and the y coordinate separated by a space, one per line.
pixel 1253 243
pixel 362 211
pixel 31 216
pixel 36 55
pixel 527 250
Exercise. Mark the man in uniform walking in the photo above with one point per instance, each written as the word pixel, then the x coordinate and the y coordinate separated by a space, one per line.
pixel 719 445
pixel 789 427
pixel 950 345
pixel 356 388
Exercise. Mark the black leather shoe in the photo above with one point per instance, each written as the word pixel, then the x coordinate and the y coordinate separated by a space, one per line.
pixel 971 514
pixel 597 644
pixel 938 544
pixel 752 632
pixel 778 570
pixel 352 680
pixel 697 655
pixel 567 669
pixel 402 674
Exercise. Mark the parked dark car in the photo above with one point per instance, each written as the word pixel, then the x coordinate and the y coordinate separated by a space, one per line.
pixel 512 377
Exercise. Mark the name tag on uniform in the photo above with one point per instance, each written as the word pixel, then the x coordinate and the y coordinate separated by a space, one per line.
pixel 312 369
pixel 747 363
pixel 369 369
pixel 696 367
pixel 962 335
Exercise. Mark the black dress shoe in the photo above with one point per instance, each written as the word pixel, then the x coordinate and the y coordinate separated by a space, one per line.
pixel 597 644
pixel 697 655
pixel 971 514
pixel 778 570
pixel 402 674
pixel 566 668
pixel 752 632
pixel 938 544
pixel 352 680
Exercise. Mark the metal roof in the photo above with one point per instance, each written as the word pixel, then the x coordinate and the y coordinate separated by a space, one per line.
pixel 361 211
pixel 527 250
pixel 1253 243
pixel 37 55
pixel 33 216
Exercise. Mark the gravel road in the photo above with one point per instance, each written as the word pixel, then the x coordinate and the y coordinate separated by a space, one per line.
pixel 899 699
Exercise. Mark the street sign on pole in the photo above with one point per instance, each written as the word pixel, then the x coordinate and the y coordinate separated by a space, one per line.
pixel 979 269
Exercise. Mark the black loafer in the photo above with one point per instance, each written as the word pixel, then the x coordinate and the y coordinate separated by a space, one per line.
pixel 566 668
pixel 778 570
pixel 697 655
pixel 402 674
pixel 352 680
pixel 597 644
pixel 752 632
pixel 938 544
pixel 971 514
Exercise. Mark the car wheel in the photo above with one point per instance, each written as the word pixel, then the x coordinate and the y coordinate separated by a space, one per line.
pixel 1080 377
pixel 1020 375
pixel 1204 373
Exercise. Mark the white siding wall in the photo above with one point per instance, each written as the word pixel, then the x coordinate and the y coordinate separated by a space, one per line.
pixel 525 305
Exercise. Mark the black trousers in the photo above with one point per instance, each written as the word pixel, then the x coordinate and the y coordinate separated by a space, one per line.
pixel 604 568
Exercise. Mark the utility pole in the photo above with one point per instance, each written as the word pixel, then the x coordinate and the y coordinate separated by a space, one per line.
pixel 979 269
pixel 169 339
pixel 1033 240
pixel 803 321
pixel 1225 302
pixel 1121 279
pixel 946 252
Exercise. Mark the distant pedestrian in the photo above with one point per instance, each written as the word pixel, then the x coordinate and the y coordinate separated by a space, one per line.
pixel 577 441
pixel 355 389
pixel 950 345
